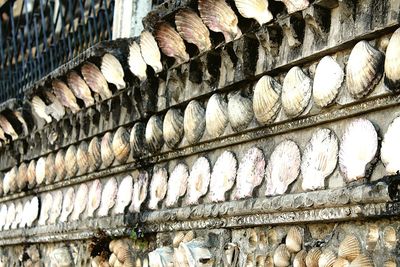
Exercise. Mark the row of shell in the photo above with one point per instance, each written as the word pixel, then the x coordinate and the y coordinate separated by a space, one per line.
pixel 19 214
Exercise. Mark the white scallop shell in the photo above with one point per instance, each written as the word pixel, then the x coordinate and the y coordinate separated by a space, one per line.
pixel 139 192
pixel 158 187
pixel 198 181
pixel 47 203
pixel 124 194
pixel 40 170
pixel 319 159
pixel 154 133
pixel 254 9
pixel 113 71
pixel 68 204
pixel 283 168
pixel 173 127
pixel 240 111
pixel 10 216
pixel 194 122
pixel 94 197
pixel 19 213
pixel 390 146
pixel 33 211
pixel 177 184
pixel 296 92
pixel 80 202
pixel 108 197
pixel 223 176
pixel 25 217
pixel 150 51
pixel 3 215
pixel 216 115
pixel 137 65
pixel 266 100
pixel 10 181
pixel 358 149
pixel 328 79
pixel 56 207
pixel 392 59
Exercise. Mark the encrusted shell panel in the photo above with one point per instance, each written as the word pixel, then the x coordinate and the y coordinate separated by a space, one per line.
pixel 177 184
pixel 198 181
pixel 240 111
pixel 392 68
pixel 223 176
pixel 173 127
pixel 137 139
pixel 158 187
pixel 194 122
pixel 266 100
pixel 94 154
pixel 124 194
pixel 108 197
pixel 254 9
pixel 71 165
pixel 170 42
pixel 82 157
pixel 94 197
pixel 68 204
pixel 107 154
pixel 150 51
pixel 137 65
pixel 390 147
pixel 80 88
pixel 59 165
pixel 80 201
pixel 112 70
pixel 95 79
pixel 154 133
pixel 216 115
pixel 139 193
pixel 120 145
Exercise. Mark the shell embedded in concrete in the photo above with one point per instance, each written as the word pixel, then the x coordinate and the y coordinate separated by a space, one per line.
pixel 390 147
pixel 19 210
pixel 120 145
pixel 254 9
pixel 50 171
pixel 94 154
pixel 300 259
pixel 82 157
pixel 31 174
pixel 170 42
pixel 223 176
pixel 56 206
pixel 240 111
pixel 154 133
pixel 40 172
pixel 39 107
pixel 56 108
pixel 124 194
pixel 340 262
pixel 80 201
pixel 194 122
pixel 281 256
pixel 327 258
pixel 45 209
pixel 150 51
pixel 3 215
pixel 266 100
pixel 158 187
pixel 96 80
pixel 71 165
pixel 173 127
pixel 10 180
pixel 216 115
pixel 32 212
pixel 137 139
pixel 94 197
pixel 59 165
pixel 10 216
pixel 107 154
pixel 295 5
pixel 137 65
pixel 21 176
pixel 362 260
pixel 198 181
pixel 113 71
pixel 294 239
pixel 80 88
pixel 65 95
pixel 108 196
pixel 161 257
pixel 392 68
pixel 312 257
pixel 68 204
pixel 349 248
pixel 139 193
pixel 177 184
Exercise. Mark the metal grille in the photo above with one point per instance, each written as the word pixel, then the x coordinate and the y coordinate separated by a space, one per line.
pixel 37 36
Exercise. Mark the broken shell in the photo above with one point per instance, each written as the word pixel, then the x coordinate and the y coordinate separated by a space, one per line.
pixel 80 202
pixel 362 261
pixel 173 127
pixel 250 173
pixel 120 145
pixel 124 194
pixel 240 111
pixel 96 81
pixel 94 197
pixel 198 180
pixel 108 197
pixel 40 171
pixel 223 176
pixel 194 122
pixel 216 115
pixel 82 158
pixel 137 138
pixel 94 154
pixel 266 100
pixel 107 154
pixel 254 9
pixel 328 79
pixel 295 5
pixel 313 257
pixel 358 149
pixel 282 256
pixel 340 262
pixel 177 184
pixel 300 259
pixel 56 206
pixel 364 69
pixel 59 165
pixel 158 187
pixel 349 248
pixel 80 88
pixel 327 258
pixel 296 92
pixel 68 204
pixel 192 29
pixel 170 42
pixel 21 177
pixel 65 95
pixel 31 174
pixel 392 69
pixel 45 208
pixel 150 51
pixel 154 133
pixel 139 192
pixel 390 148
pixel 71 165
pixel 294 239
pixel 112 71
pixel 319 159
pixel 50 171
pixel 219 17
pixel 283 168
pixel 137 65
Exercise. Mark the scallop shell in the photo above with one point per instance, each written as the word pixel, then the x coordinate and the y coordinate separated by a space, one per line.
pixel 319 159
pixel 1 183
pixel 94 197
pixel 80 201
pixel 300 259
pixel 120 145
pixel 31 174
pixel 173 127
pixel 56 108
pixel 219 17
pixel 59 165
pixel 192 29
pixel 7 127
pixel 294 239
pixel 295 5
pixel 328 80
pixel 240 111
pixel 177 184
pixel 250 173
pixel 65 95
pixel 362 261
pixel 112 71
pixel 124 194
pixel 82 158
pixel 40 170
pixel 3 215
pixel 198 180
pixel 10 181
pixel 283 168
pixel 33 211
pixel 223 176
pixel 340 262
pixel 68 204
pixel 327 258
pixel 266 100
pixel 296 92
pixel 282 256
pixel 56 207
pixel 392 69
pixel 26 214
pixel 19 210
pixel 80 88
pixel 216 115
pixel 150 51
pixel 10 216
pixel 139 193
pixel 158 187
pixel 71 165
pixel 390 146
pixel 137 65
pixel 39 107
pixel 358 149
pixel 95 79
pixel 21 177
pixel 194 123
pixel 154 133
pixel 108 197
pixel 45 209
pixel 94 154
pixel 364 69
pixel 107 154
pixel 349 248
pixel 50 170
pixel 137 138
pixel 254 9
pixel 170 42
pixel 313 257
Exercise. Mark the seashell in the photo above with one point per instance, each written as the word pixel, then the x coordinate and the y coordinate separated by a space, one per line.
pixel 170 42
pixel 65 95
pixel 59 165
pixel 80 201
pixel 189 236
pixel 40 170
pixel 94 154
pixel 19 209
pixel 364 69
pixel 390 263
pixel 33 211
pixel 56 108
pixel 10 216
pixel 150 51
pixel 161 257
pixel 319 159
pixel 137 138
pixel 112 71
pixel 26 214
pixel 192 29
pixel 340 262
pixel 21 178
pixel 3 215
pixel 113 259
pixel 31 174
pixel 137 65
pixel 240 111
pixel 120 145
pixel 95 79
pixel 50 171
pixel 139 193
pixel 358 149
pixel 154 133
pixel 296 92
pixel 60 257
pixel 40 108
pixel 349 248
pixel 122 253
pixel 254 9
pixel 68 204
pixel 173 127
pixel 392 70
pixel 80 88
pixel 362 261
pixel 10 181
pixel 300 259
pixel 219 17
pixel 177 184
pixel 82 157
pixel 294 239
pixel 282 256
pixel 194 123
pixel 108 197
pixel 94 197
pixel 223 176
pixel 8 128
pixel 196 253
pixel 231 254
pixel 158 187
pixel 124 194
pixel 372 237
pixel 328 79
pixel 177 239
pixel 250 173
pixel 71 165
pixel 327 258
pixel 390 237
pixel 313 257
pixel 107 154
pixel 56 207
pixel 283 168
pixel 45 209
pixel 295 5
pixel 18 114
pixel 216 115
pixel 266 99
pixel 390 144
pixel 198 180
